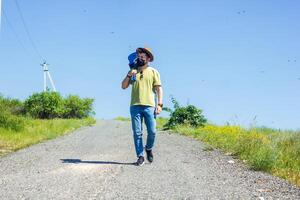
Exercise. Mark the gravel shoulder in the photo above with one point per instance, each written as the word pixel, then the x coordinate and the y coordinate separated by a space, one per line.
pixel 96 163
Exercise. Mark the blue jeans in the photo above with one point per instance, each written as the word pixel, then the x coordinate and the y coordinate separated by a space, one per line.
pixel 138 113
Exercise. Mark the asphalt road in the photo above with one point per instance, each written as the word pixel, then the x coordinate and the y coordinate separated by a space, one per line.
pixel 96 163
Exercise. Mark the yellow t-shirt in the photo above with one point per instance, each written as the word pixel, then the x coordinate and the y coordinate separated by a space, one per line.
pixel 142 92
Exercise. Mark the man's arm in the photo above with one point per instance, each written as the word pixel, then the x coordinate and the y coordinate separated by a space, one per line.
pixel 159 93
pixel 126 81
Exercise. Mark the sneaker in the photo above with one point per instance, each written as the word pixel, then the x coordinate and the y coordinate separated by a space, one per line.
pixel 149 155
pixel 140 161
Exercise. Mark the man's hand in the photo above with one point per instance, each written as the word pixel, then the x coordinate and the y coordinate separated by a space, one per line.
pixel 126 81
pixel 132 72
pixel 158 109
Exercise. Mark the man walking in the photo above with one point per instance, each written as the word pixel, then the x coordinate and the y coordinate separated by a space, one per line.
pixel 143 104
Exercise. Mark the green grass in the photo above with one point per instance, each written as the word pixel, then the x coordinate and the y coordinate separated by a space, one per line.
pixel 274 151
pixel 122 118
pixel 36 130
pixel 270 150
pixel 160 121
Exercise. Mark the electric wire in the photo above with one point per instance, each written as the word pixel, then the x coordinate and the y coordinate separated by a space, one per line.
pixel 27 31
pixel 0 14
pixel 14 32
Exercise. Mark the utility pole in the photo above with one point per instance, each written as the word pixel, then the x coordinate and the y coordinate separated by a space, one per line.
pixel 47 73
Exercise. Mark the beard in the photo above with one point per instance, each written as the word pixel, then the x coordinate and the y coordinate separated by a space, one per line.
pixel 140 63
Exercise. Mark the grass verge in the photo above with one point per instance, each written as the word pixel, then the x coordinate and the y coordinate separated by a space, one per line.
pixel 120 118
pixel 274 151
pixel 160 121
pixel 265 149
pixel 36 130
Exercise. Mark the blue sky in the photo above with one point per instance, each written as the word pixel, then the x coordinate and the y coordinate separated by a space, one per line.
pixel 233 59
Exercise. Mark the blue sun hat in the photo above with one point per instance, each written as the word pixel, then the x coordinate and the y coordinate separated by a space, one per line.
pixel 131 58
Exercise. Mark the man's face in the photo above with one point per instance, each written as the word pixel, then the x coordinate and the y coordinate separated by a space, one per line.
pixel 144 57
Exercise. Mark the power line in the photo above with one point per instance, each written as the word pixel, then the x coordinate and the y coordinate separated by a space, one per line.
pixel 0 14
pixel 27 31
pixel 14 31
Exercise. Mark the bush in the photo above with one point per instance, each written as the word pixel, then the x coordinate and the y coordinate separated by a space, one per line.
pixel 9 121
pixel 44 105
pixel 74 107
pixel 189 115
pixel 14 106
pixel 49 105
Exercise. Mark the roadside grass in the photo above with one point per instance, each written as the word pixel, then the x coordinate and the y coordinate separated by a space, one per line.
pixel 160 121
pixel 271 150
pixel 274 151
pixel 37 130
pixel 120 118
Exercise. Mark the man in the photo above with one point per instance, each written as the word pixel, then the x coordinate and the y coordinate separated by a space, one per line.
pixel 143 102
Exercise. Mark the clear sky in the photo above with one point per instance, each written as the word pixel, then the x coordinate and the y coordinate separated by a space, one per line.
pixel 233 59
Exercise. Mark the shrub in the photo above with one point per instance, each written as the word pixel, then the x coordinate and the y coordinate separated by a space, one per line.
pixel 9 121
pixel 189 115
pixel 44 105
pixel 49 105
pixel 14 106
pixel 74 107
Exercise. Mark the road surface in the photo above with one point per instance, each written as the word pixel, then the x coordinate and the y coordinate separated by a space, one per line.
pixel 96 163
